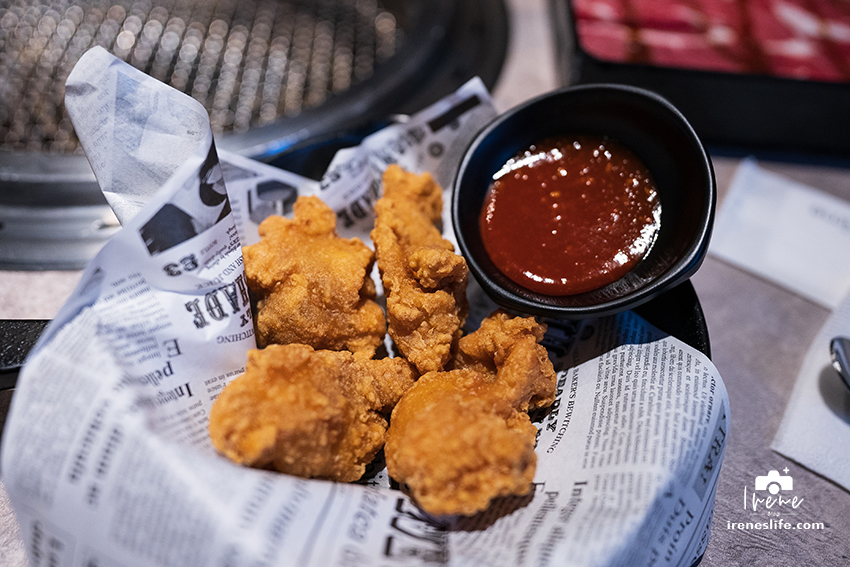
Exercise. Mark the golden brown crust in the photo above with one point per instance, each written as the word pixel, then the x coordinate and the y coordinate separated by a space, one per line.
pixel 424 280
pixel 509 348
pixel 313 287
pixel 457 450
pixel 308 413
pixel 460 438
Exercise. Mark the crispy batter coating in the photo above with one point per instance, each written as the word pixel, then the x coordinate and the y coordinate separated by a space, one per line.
pixel 308 412
pixel 509 348
pixel 424 280
pixel 313 287
pixel 461 438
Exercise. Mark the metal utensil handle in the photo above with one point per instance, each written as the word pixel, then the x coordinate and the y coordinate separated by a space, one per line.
pixel 839 348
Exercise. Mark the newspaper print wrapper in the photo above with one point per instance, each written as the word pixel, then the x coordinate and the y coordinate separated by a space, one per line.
pixel 106 456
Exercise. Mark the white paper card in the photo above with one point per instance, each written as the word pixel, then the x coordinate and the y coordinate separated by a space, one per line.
pixel 787 232
pixel 815 430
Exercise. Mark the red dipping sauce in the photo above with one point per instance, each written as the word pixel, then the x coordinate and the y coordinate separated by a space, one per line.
pixel 570 214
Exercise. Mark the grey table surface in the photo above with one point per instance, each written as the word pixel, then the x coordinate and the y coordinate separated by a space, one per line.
pixel 759 335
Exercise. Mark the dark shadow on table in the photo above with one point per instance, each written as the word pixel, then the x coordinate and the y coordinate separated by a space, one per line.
pixel 498 508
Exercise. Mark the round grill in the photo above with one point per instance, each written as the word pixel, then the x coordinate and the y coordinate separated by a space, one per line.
pixel 249 62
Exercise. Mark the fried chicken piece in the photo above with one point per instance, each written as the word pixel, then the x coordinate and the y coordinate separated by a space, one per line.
pixel 310 413
pixel 313 287
pixel 461 438
pixel 424 280
pixel 509 348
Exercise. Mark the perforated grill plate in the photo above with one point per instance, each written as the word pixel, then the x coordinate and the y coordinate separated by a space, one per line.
pixel 249 62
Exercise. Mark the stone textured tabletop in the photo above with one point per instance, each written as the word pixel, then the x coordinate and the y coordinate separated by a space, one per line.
pixel 759 336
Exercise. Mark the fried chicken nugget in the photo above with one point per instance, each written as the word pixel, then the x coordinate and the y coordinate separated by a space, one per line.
pixel 460 438
pixel 313 287
pixel 424 280
pixel 308 412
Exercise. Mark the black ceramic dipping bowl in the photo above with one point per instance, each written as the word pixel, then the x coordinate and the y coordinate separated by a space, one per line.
pixel 642 121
